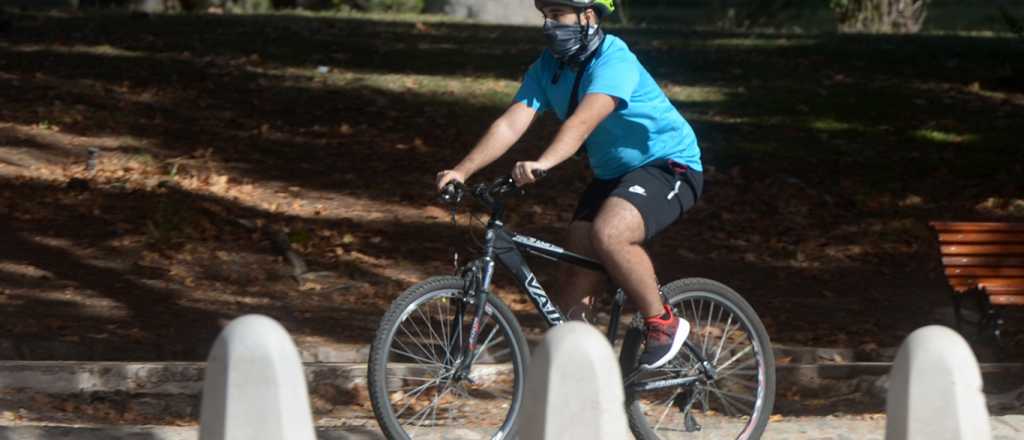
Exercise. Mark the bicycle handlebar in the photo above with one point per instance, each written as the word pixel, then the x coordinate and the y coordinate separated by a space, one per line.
pixel 454 190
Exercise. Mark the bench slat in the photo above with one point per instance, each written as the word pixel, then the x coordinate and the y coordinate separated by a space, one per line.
pixel 988 255
pixel 986 281
pixel 982 249
pixel 977 226
pixel 985 271
pixel 994 290
pixel 950 261
pixel 1007 300
pixel 981 237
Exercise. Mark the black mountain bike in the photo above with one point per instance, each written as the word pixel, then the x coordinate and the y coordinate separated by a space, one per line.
pixel 449 358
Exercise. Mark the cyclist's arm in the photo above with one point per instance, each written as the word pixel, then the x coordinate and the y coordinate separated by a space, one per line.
pixel 592 110
pixel 502 134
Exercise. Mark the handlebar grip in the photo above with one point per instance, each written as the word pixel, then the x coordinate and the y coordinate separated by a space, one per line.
pixel 539 173
pixel 452 192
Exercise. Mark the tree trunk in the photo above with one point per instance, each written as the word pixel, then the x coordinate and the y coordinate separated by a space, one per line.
pixel 149 6
pixel 880 16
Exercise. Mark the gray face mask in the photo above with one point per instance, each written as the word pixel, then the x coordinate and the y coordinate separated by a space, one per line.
pixel 572 43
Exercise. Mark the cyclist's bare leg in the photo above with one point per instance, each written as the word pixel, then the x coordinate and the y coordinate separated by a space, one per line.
pixel 577 285
pixel 616 237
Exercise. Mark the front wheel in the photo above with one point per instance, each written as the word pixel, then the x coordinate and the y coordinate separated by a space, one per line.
pixel 416 388
pixel 735 400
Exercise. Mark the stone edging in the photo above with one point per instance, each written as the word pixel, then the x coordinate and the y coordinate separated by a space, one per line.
pixel 57 377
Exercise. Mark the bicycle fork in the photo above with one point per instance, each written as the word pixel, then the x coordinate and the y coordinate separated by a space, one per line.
pixel 478 290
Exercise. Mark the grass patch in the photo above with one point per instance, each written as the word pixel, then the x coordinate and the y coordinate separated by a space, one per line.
pixel 943 137
pixel 833 125
pixel 692 94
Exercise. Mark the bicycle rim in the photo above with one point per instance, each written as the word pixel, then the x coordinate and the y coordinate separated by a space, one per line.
pixel 424 398
pixel 737 402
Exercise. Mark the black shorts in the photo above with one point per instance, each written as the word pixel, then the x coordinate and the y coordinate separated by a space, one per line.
pixel 661 192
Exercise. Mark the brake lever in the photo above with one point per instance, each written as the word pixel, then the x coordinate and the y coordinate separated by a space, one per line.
pixel 510 185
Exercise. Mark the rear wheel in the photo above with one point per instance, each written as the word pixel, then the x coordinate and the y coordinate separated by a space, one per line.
pixel 736 400
pixel 415 388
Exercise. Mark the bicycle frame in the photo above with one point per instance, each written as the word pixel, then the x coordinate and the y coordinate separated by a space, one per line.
pixel 507 248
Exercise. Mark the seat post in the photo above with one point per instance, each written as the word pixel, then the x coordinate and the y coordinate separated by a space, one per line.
pixel 613 323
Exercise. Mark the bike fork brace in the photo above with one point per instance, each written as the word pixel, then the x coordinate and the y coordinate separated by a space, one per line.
pixel 463 361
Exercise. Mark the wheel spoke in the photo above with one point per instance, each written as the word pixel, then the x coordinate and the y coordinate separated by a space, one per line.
pixel 707 331
pixel 733 395
pixel 424 379
pixel 407 353
pixel 418 391
pixel 431 354
pixel 426 411
pixel 736 380
pixel 696 315
pixel 726 406
pixel 721 342
pixel 487 342
pixel 430 328
pixel 722 372
pixel 668 406
pixel 736 356
pixel 442 319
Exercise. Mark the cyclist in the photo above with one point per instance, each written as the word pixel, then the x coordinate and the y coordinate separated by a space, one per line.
pixel 644 156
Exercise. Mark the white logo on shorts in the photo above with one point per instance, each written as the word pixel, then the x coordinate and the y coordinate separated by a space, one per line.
pixel 638 190
pixel 674 191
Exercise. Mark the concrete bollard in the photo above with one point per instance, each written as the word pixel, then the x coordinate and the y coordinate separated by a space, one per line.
pixel 935 389
pixel 255 387
pixel 574 388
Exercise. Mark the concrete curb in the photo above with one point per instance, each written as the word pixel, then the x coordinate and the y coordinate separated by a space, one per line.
pixel 101 350
pixel 149 433
pixel 57 377
pixel 1009 427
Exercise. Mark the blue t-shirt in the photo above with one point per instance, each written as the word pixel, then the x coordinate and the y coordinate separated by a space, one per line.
pixel 644 128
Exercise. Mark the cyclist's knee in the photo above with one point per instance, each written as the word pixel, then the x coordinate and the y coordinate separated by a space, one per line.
pixel 606 237
pixel 610 234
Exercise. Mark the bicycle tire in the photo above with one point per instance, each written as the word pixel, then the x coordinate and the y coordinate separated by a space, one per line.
pixel 381 351
pixel 677 293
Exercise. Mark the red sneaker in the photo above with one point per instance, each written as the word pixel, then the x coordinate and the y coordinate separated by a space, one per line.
pixel 664 337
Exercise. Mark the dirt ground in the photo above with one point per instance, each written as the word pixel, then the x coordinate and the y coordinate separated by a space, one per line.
pixel 210 146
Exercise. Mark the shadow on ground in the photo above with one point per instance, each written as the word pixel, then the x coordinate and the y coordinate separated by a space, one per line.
pixel 815 147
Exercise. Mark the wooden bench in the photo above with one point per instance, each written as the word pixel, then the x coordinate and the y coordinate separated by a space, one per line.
pixel 983 261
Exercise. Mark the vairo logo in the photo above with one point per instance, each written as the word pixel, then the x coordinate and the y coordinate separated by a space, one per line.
pixel 530 241
pixel 539 295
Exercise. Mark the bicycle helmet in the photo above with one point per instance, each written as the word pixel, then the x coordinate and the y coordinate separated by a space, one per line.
pixel 603 7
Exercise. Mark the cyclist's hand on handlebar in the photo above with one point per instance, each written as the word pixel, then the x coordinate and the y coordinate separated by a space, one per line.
pixel 446 176
pixel 527 172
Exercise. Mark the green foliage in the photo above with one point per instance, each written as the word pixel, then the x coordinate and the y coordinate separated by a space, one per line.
pixel 249 6
pixel 381 5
